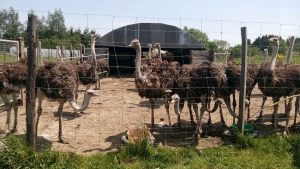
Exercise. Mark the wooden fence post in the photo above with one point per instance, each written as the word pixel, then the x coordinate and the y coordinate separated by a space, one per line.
pixel 243 81
pixel 30 83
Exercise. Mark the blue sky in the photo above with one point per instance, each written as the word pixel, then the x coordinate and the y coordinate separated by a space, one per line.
pixel 219 19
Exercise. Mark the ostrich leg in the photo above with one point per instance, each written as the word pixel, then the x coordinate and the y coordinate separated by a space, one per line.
pixel 167 107
pixel 8 109
pixel 288 110
pixel 259 118
pixel 248 108
pixel 198 127
pixel 15 106
pixel 76 97
pixel 39 112
pixel 208 106
pixel 233 105
pixel 221 116
pixel 296 110
pixel 202 110
pixel 152 113
pixel 274 117
pixel 181 105
pixel 190 103
pixel 59 112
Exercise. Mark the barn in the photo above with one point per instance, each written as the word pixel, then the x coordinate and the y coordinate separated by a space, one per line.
pixel 171 38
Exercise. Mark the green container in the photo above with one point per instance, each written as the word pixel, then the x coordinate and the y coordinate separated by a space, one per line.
pixel 248 128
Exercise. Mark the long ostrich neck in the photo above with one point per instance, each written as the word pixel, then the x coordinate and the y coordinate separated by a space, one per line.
pixel 94 62
pixel 266 55
pixel 159 54
pixel 150 52
pixel 289 55
pixel 60 57
pixel 138 62
pixel 84 106
pixel 80 55
pixel 273 59
pixel 177 108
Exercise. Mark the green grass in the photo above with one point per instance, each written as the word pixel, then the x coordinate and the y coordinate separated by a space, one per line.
pixel 270 152
pixel 259 61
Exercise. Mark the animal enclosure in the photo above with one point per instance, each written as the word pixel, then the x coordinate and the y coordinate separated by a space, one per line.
pixel 118 104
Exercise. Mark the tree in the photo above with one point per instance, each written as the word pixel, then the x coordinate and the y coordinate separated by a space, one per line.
pixel 199 35
pixel 86 37
pixel 56 24
pixel 222 44
pixel 253 51
pixel 212 46
pixel 263 42
pixel 237 51
pixel 10 27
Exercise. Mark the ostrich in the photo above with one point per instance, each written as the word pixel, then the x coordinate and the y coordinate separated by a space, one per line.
pixel 184 90
pixel 233 73
pixel 57 82
pixel 266 55
pixel 207 80
pixel 150 52
pixel 164 55
pixel 276 80
pixel 13 77
pixel 154 81
pixel 278 66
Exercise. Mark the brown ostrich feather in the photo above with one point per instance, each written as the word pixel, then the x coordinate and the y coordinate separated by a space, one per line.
pixel 87 73
pixel 56 80
pixel 281 82
pixel 160 77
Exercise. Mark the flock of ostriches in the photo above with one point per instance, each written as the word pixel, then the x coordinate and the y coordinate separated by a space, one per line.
pixel 159 76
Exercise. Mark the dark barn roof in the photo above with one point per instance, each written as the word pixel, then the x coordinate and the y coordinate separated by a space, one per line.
pixel 167 35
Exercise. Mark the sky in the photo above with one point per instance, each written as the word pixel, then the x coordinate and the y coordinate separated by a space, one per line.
pixel 219 19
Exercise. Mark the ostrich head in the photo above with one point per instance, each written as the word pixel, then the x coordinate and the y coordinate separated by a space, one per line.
pixel 157 45
pixel 274 41
pixel 93 36
pixel 265 50
pixel 175 98
pixel 91 93
pixel 134 43
pixel 291 38
pixel 150 45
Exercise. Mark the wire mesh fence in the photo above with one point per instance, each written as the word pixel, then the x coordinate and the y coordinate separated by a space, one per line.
pixel 119 106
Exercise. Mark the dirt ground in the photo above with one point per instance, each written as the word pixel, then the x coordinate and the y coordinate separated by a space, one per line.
pixel 119 108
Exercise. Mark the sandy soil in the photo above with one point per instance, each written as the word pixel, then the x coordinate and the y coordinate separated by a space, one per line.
pixel 119 108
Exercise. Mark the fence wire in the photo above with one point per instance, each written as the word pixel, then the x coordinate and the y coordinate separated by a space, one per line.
pixel 118 106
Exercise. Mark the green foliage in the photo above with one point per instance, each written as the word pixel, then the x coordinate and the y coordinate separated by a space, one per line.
pixel 222 45
pixel 248 152
pixel 10 27
pixel 253 51
pixel 237 51
pixel 51 30
pixel 199 35
pixel 212 46
pixel 262 43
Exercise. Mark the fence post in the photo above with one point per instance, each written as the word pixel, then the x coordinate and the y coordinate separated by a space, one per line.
pixel 243 81
pixel 212 56
pixel 30 83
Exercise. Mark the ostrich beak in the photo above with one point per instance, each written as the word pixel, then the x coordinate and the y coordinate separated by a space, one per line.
pixel 130 45
pixel 92 92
